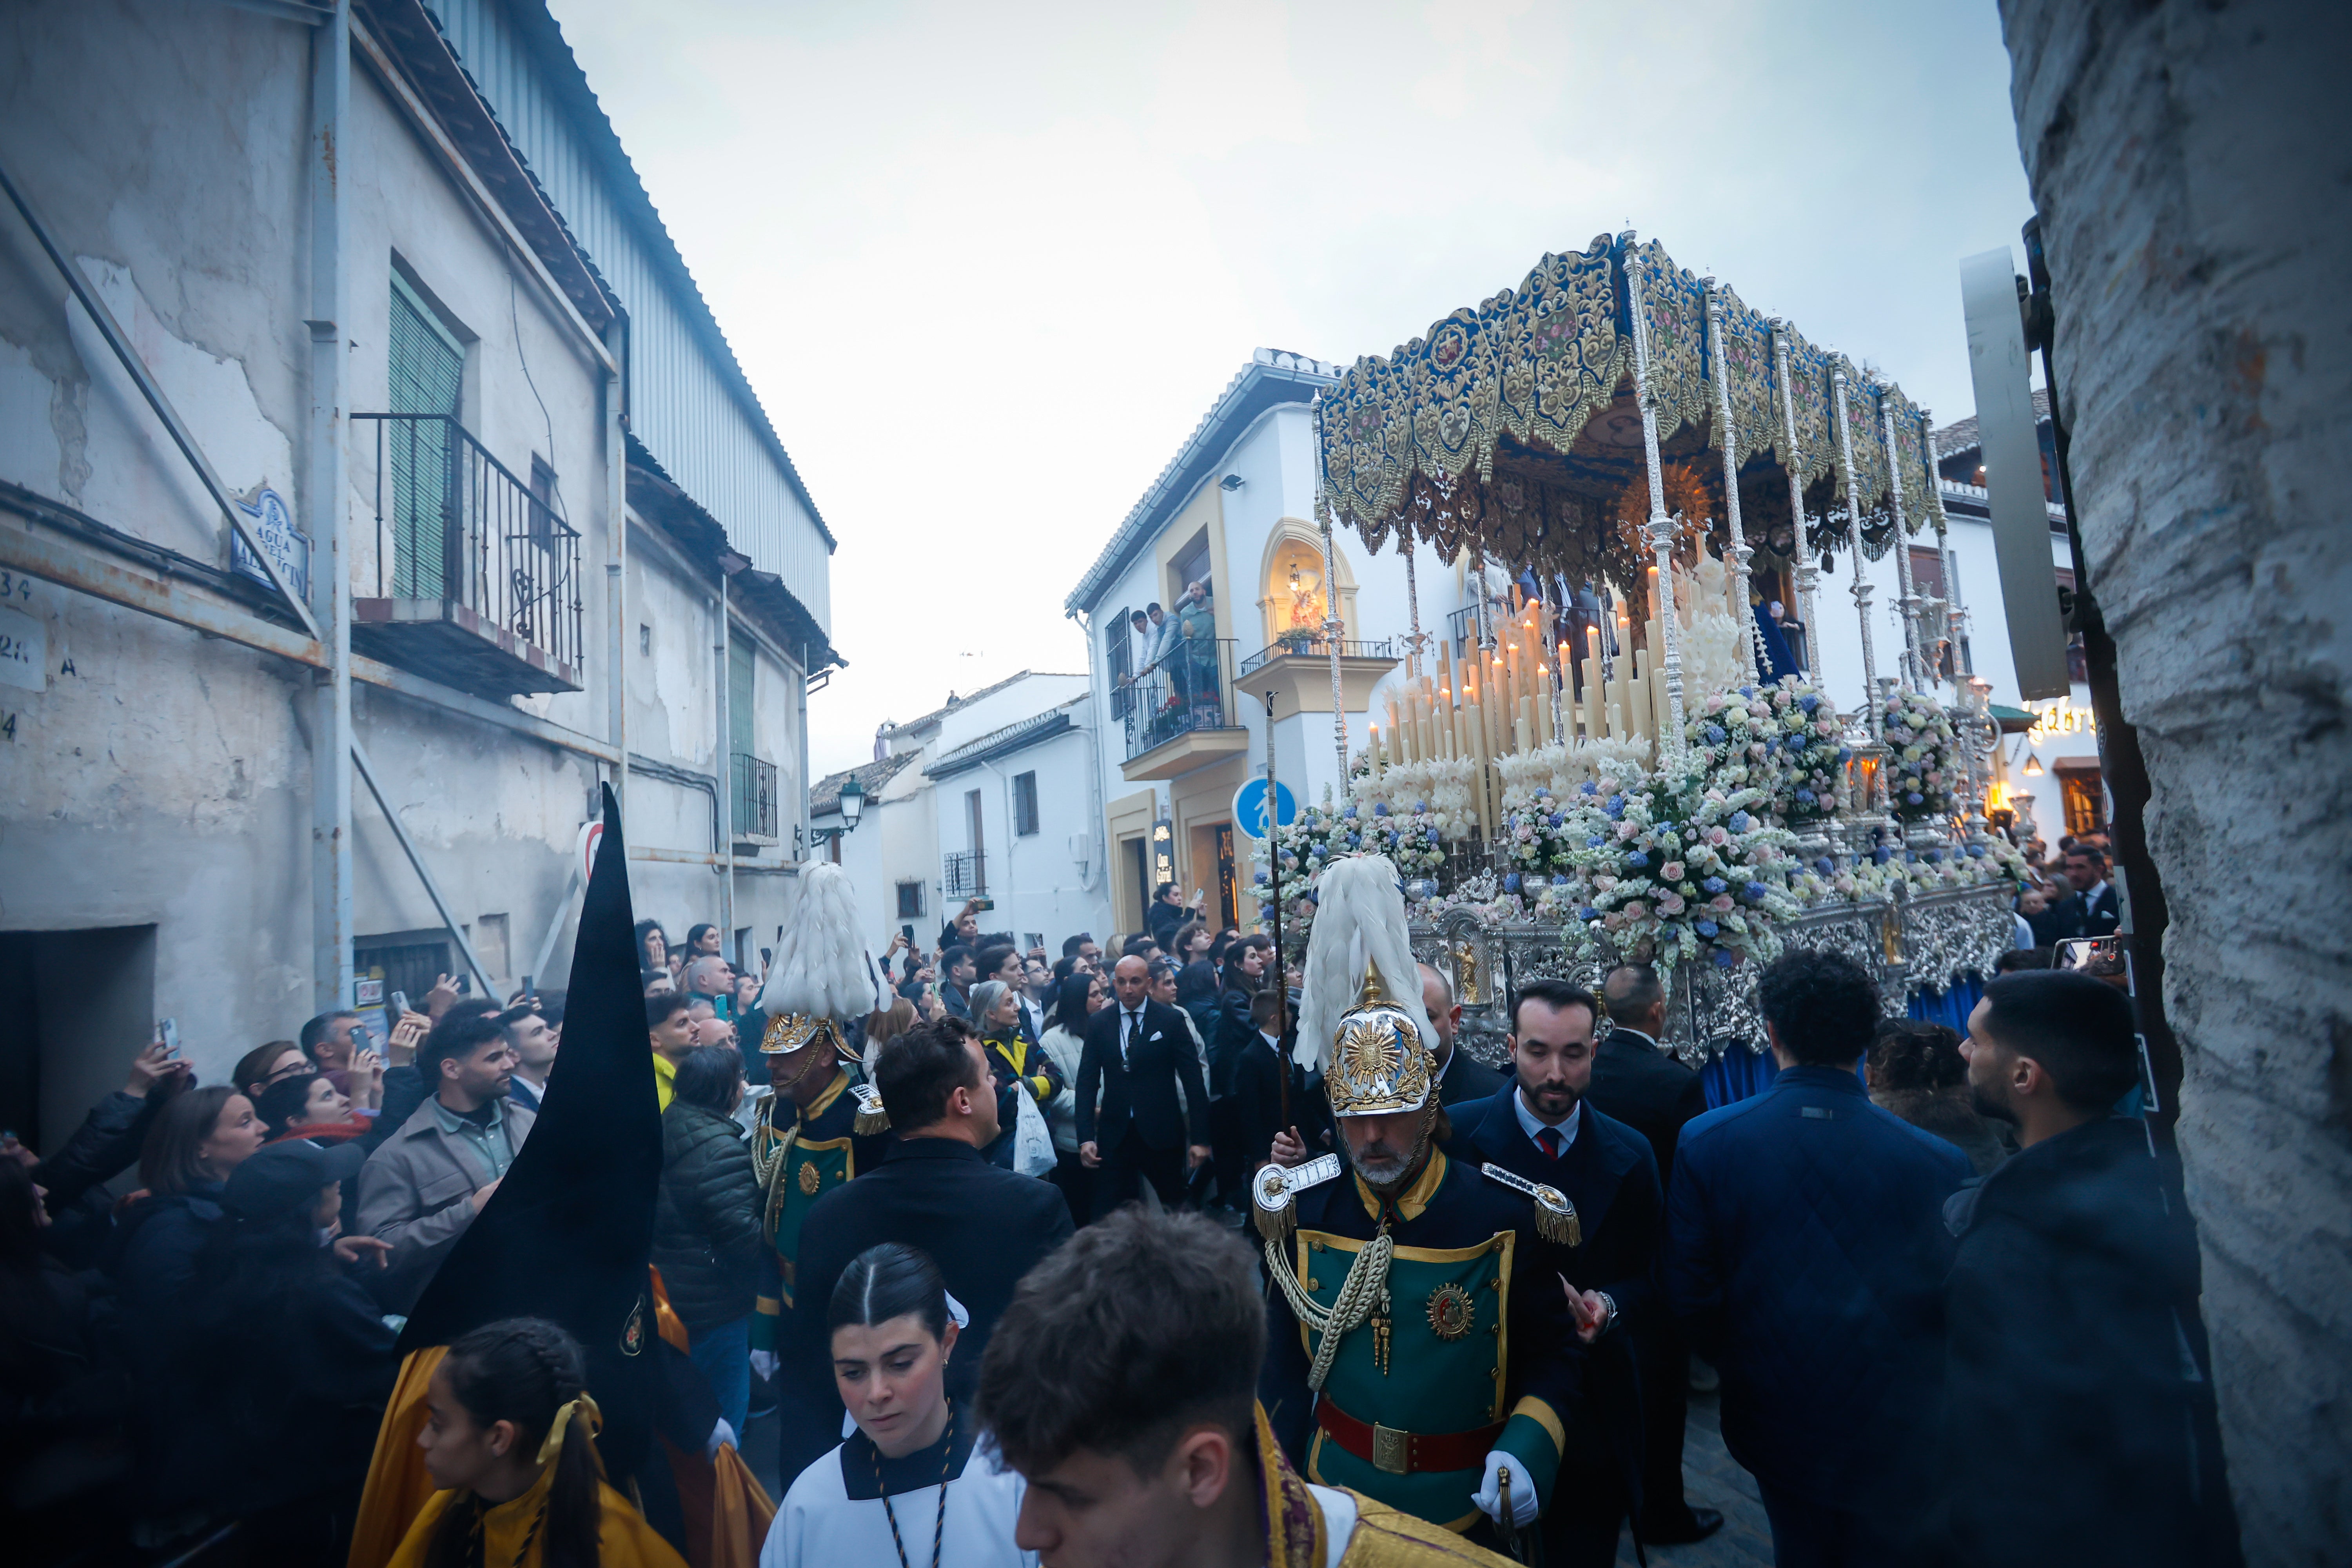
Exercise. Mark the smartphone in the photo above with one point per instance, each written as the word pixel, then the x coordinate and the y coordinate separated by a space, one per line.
pixel 984 903
pixel 2094 953
pixel 169 1029
pixel 465 985
pixel 363 1038
pixel 399 1005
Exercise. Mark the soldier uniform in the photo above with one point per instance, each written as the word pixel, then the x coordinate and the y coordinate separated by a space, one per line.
pixel 814 1150
pixel 1419 1336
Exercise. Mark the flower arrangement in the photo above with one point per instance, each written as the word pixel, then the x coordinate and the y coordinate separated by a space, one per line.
pixel 1437 788
pixel 1921 758
pixel 1784 739
pixel 1673 867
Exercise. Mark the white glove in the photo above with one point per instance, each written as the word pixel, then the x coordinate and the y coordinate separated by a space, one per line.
pixel 722 1432
pixel 1489 1497
pixel 764 1364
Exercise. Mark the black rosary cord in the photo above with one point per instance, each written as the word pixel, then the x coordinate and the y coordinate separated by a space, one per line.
pixel 940 1525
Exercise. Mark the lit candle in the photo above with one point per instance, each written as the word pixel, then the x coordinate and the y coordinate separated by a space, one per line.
pixel 1372 752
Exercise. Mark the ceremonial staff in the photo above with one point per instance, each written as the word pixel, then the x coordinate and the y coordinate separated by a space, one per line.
pixel 1274 876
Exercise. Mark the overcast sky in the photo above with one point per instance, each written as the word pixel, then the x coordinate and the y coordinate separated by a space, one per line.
pixel 988 265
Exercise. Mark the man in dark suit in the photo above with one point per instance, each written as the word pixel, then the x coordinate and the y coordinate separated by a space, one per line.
pixel 1460 1075
pixel 1640 1085
pixel 1131 1126
pixel 1539 1125
pixel 1806 1258
pixel 985 1227
pixel 2092 908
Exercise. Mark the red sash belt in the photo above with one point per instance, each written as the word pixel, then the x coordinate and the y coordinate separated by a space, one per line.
pixel 1399 1453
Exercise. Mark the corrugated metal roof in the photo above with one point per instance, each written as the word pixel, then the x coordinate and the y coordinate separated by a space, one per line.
pixel 824 795
pixel 1272 376
pixel 690 402
pixel 999 742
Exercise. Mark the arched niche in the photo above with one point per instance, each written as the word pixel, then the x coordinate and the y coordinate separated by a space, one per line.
pixel 1291 590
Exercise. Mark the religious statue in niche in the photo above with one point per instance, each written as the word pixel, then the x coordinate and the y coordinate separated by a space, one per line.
pixel 1296 603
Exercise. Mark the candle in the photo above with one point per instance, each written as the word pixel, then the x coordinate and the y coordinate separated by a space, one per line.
pixel 1372 752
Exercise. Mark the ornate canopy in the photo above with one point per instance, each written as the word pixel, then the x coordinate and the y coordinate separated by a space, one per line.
pixel 1515 427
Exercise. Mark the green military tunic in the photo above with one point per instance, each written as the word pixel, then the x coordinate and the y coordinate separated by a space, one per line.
pixel 816 1151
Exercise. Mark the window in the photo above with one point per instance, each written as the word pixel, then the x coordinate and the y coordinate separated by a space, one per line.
pixel 2078 659
pixel 911 901
pixel 426 373
pixel 1025 803
pixel 542 504
pixel 1118 664
pixel 1927 582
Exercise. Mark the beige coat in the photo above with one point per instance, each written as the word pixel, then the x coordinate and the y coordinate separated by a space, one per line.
pixel 416 1192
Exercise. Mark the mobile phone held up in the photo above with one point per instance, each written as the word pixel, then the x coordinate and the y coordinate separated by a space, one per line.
pixel 168 1031
pixel 984 903
pixel 399 1005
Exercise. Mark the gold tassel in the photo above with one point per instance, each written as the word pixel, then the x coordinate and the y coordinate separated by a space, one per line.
pixel 871 1117
pixel 1275 1225
pixel 1558 1224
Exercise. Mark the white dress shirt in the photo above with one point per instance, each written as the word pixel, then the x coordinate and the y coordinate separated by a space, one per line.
pixel 1531 1124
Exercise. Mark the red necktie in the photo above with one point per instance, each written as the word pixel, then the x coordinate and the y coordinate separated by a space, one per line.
pixel 1549 1138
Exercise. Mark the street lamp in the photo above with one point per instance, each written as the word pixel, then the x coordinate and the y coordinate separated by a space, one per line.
pixel 853 802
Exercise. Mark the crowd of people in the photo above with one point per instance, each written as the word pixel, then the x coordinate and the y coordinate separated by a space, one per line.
pixel 1946 1292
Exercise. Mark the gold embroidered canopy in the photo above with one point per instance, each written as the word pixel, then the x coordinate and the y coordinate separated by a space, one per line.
pixel 1516 428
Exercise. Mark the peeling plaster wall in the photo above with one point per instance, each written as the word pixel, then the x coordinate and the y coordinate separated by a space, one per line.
pixel 159 776
pixel 2190 163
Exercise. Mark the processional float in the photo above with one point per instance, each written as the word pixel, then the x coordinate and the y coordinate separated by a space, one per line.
pixel 1619 760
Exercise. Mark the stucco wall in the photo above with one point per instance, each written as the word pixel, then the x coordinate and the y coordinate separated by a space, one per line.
pixel 2188 163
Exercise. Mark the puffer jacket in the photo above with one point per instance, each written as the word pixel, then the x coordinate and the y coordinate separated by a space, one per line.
pixel 706 1236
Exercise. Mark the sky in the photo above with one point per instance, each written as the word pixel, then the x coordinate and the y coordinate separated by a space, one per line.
pixel 986 266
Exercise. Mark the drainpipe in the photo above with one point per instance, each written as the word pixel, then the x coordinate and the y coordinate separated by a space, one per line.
pixel 616 558
pixel 723 799
pixel 802 847
pixel 327 504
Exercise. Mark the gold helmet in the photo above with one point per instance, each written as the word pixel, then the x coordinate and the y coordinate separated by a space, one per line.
pixel 1359 1005
pixel 821 976
pixel 1380 1064
pixel 795 1032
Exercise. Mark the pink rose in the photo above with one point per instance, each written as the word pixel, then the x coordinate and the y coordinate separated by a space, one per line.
pixel 1714 703
pixel 1627 829
pixel 1755 748
pixel 1635 910
pixel 1823 727
pixel 1670 903
pixel 1717 837
pixel 1721 903
pixel 1671 871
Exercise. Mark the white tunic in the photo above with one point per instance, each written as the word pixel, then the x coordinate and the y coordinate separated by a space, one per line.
pixel 832 1516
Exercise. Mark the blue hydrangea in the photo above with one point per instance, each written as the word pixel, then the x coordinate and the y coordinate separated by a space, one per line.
pixel 1587 913
pixel 1935 856
pixel 1552 821
pixel 1559 880
pixel 1740 822
pixel 1845 754
pixel 1510 881
pixel 1881 855
pixel 1589 788
pixel 1379 808
pixel 1615 809
pixel 1707 928
pixel 1976 851
pixel 1596 841
pixel 1757 889
pixel 1262 879
pixel 1713 885
pixel 1806 797
pixel 1809 702
pixel 1421 805
pixel 1543 794
pixel 1916 798
pixel 1355 841
pixel 1771 745
pixel 1748 691
pixel 1715 734
pixel 1723 959
pixel 1636 860
pixel 1349 813
pixel 1826 866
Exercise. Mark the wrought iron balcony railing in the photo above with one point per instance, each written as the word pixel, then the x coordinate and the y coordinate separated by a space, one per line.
pixel 752 788
pixel 1187 689
pixel 475 579
pixel 964 874
pixel 1318 648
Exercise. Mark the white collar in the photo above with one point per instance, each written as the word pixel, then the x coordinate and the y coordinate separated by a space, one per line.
pixel 2096 889
pixel 1531 1123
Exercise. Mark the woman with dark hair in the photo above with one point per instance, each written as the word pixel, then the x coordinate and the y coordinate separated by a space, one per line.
pixel 294 1348
pixel 200 1139
pixel 707 1240
pixel 1076 999
pixel 308 1105
pixel 903 1488
pixel 653 947
pixel 265 1065
pixel 510 1441
pixel 701 942
pixel 1914 1069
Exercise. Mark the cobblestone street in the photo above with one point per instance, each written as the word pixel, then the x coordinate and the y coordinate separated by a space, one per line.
pixel 1713 1479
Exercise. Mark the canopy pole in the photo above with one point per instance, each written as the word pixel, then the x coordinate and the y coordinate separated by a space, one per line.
pixel 1660 529
pixel 1952 606
pixel 1870 708
pixel 1807 569
pixel 1914 673
pixel 1736 551
pixel 1332 625
pixel 1412 609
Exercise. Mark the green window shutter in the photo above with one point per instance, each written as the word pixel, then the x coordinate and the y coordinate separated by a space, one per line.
pixel 428 372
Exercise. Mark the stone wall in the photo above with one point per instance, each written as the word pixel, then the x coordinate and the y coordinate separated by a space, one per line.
pixel 2192 165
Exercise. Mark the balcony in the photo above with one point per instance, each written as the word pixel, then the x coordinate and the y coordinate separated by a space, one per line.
pixel 476 580
pixel 964 874
pixel 1295 674
pixel 752 789
pixel 1318 647
pixel 1183 715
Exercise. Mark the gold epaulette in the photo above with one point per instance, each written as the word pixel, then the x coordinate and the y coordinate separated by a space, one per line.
pixel 871 1117
pixel 1275 1190
pixel 1556 1218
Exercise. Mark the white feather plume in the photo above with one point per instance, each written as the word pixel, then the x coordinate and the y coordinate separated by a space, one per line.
pixel 1359 915
pixel 821 970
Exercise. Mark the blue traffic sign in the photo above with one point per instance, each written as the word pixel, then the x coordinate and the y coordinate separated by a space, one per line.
pixel 1249 807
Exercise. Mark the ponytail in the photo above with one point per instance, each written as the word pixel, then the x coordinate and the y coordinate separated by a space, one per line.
pixel 529 1372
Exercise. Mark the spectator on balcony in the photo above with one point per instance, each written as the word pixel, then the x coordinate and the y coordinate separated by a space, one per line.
pixel 1196 617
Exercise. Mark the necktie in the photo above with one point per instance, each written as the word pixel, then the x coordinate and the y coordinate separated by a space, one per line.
pixel 1548 1137
pixel 1127 1035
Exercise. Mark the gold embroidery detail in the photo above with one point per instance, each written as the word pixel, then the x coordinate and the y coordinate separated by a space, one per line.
pixel 1452 1313
pixel 810 1179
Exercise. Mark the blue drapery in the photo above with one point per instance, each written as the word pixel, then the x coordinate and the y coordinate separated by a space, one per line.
pixel 1737 1073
